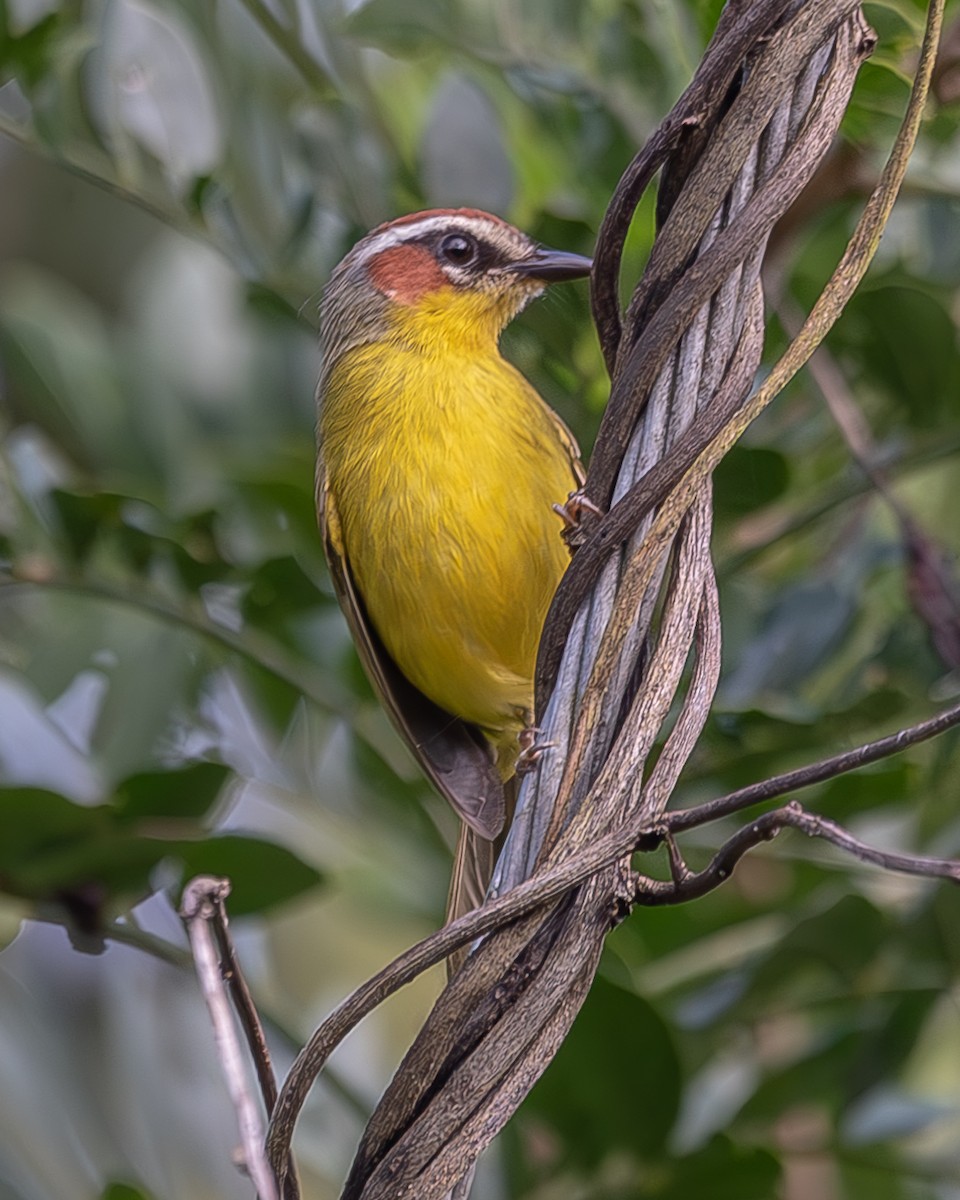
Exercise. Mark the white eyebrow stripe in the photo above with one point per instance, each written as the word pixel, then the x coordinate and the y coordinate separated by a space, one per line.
pixel 410 231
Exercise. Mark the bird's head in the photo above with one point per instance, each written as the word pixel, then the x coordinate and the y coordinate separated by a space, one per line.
pixel 446 274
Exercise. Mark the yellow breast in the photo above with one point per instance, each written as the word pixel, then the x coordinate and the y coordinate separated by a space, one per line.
pixel 444 469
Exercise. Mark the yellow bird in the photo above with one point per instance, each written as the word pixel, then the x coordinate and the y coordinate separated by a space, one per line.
pixel 438 471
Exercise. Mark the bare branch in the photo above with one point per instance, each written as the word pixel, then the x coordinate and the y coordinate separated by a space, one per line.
pixel 686 885
pixel 202 908
pixel 818 772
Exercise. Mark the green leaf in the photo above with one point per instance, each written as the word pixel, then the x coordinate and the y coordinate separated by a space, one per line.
pixel 53 851
pixel 189 793
pixel 801 631
pixel 891 782
pixel 278 590
pixel 123 1191
pixel 722 1170
pixel 35 822
pixel 83 518
pixel 31 55
pixel 818 1078
pixel 841 941
pixel 908 343
pixel 883 1175
pixel 748 478
pixel 406 27
pixel 261 874
pixel 887 1047
pixel 615 1081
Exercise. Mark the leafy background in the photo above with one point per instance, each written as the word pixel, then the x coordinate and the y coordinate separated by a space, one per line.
pixel 178 692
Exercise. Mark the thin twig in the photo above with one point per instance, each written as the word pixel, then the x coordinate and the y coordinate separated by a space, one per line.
pixel 201 908
pixel 818 772
pixel 692 885
pixel 245 1009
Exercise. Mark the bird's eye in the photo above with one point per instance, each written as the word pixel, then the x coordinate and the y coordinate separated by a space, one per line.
pixel 458 249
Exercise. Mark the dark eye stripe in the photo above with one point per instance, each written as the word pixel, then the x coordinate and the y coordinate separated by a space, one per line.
pixel 465 251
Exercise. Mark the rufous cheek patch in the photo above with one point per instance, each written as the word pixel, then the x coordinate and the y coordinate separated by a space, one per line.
pixel 405 274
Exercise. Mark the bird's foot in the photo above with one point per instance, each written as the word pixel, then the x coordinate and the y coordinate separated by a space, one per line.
pixel 531 749
pixel 572 513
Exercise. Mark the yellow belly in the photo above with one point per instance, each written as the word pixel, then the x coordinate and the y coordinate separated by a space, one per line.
pixel 444 483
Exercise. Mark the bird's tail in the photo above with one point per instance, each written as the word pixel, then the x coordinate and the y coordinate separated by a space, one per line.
pixel 472 870
pixel 473 865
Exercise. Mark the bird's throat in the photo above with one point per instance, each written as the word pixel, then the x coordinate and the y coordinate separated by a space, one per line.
pixel 448 323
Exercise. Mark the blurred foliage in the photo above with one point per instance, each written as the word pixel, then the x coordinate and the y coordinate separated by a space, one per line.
pixel 177 689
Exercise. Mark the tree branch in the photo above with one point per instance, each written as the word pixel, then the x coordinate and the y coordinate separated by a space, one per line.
pixel 818 772
pixel 686 885
pixel 203 913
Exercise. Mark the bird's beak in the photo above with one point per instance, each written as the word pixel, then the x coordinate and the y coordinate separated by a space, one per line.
pixel 551 266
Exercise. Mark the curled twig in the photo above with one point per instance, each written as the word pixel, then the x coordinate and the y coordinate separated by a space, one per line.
pixel 691 885
pixel 812 773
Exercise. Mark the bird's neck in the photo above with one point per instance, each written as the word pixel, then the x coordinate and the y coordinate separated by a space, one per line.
pixel 448 322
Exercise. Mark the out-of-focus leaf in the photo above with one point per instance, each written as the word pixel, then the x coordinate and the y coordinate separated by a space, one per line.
pixel 411 26
pixel 892 782
pixel 722 1170
pixel 35 821
pixel 85 518
pixel 155 670
pixel 615 1080
pixel 185 794
pixel 880 1175
pixel 879 94
pixel 886 1113
pixel 151 84
pixel 818 1077
pixel 886 1048
pixel 462 151
pixel 28 43
pixel 52 850
pixel 57 352
pixel 908 343
pixel 801 630
pixel 261 874
pixel 840 941
pixel 278 590
pixel 750 477
pixel 124 1191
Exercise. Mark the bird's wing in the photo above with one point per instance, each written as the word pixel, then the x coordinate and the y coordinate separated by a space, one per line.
pixel 569 443
pixel 455 755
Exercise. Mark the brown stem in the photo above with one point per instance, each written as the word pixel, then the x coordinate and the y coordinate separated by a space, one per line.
pixel 652 893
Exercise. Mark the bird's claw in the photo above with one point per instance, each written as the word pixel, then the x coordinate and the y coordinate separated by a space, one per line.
pixel 531 751
pixel 577 504
pixel 572 513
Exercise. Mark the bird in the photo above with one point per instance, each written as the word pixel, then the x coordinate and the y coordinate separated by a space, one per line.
pixel 440 473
